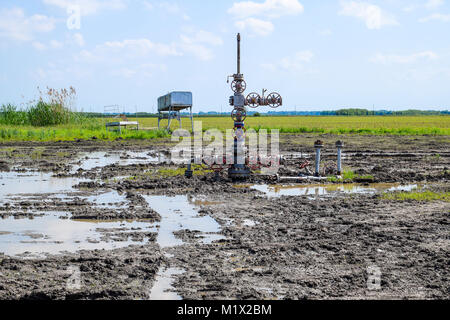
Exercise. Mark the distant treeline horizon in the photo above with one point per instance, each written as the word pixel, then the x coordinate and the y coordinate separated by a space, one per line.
pixel 340 112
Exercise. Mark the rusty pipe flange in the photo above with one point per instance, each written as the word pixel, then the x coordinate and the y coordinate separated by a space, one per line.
pixel 253 100
pixel 238 86
pixel 274 100
pixel 339 144
pixel 318 144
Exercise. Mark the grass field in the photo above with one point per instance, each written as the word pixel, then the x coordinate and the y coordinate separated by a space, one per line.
pixel 403 125
pixel 378 125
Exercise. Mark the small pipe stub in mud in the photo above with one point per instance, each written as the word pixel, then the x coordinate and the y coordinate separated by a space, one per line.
pixel 339 146
pixel 318 145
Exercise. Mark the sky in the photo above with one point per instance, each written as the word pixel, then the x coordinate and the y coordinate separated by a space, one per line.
pixel 319 55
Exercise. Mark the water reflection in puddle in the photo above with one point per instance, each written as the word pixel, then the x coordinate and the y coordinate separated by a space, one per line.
pixel 112 200
pixel 51 234
pixel 14 183
pixel 323 190
pixel 179 213
pixel 89 161
pixel 163 289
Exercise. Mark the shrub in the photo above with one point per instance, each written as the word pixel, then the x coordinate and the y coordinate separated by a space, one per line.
pixel 10 115
pixel 46 114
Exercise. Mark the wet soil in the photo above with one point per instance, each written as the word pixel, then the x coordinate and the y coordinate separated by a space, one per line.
pixel 216 240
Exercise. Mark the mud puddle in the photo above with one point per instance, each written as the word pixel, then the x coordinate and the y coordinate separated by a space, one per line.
pixel 328 190
pixel 179 213
pixel 15 183
pixel 163 288
pixel 111 199
pixel 180 223
pixel 100 159
pixel 54 233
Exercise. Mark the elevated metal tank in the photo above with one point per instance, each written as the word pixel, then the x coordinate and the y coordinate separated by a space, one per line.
pixel 175 101
pixel 171 105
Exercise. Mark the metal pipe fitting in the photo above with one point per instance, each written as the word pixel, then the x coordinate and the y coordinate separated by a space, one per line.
pixel 318 145
pixel 339 146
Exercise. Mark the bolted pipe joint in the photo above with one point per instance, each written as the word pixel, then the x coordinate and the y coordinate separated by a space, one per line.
pixel 318 145
pixel 339 146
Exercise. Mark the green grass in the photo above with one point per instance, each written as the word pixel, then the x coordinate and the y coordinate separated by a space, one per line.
pixel 199 170
pixel 37 153
pixel 417 196
pixel 74 132
pixel 89 127
pixel 370 125
pixel 349 176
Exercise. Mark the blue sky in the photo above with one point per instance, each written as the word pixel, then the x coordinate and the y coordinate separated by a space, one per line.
pixel 319 55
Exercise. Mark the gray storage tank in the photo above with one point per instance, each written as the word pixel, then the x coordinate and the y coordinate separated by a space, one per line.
pixel 175 101
pixel 171 105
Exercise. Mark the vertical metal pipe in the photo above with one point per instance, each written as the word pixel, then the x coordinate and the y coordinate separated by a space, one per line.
pixel 239 53
pixel 339 146
pixel 318 145
pixel 317 162
pixel 192 121
pixel 339 165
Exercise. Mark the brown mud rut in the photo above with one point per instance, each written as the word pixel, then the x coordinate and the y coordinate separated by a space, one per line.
pixel 95 220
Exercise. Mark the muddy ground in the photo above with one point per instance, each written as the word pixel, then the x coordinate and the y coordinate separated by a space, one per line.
pixel 312 246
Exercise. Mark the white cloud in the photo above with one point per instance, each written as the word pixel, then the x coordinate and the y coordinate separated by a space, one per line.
pixel 296 62
pixel 55 44
pixel 39 46
pixel 433 4
pixel 436 17
pixel 195 44
pixel 373 16
pixel 148 5
pixel 88 7
pixel 15 25
pixel 174 9
pixel 78 39
pixel 140 47
pixel 199 51
pixel 256 17
pixel 59 72
pixel 201 36
pixel 404 59
pixel 268 9
pixel 256 26
pixel 145 70
pixel 75 39
pixel 130 50
pixel 429 5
